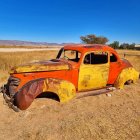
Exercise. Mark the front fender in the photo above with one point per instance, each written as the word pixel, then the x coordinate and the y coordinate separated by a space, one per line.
pixel 64 89
pixel 25 96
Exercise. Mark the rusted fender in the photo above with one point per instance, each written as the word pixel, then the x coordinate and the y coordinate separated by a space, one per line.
pixel 25 96
pixel 125 75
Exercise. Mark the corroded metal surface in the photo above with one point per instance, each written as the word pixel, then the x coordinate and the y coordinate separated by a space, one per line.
pixel 25 96
pixel 9 100
pixel 64 89
pixel 95 92
pixel 41 66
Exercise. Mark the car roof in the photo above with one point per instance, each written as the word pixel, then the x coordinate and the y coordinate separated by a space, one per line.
pixel 88 47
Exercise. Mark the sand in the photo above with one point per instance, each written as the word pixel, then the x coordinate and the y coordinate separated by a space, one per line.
pixel 115 117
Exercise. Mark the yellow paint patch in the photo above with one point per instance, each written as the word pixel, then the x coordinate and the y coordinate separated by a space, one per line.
pixel 39 67
pixel 64 89
pixel 125 75
pixel 93 76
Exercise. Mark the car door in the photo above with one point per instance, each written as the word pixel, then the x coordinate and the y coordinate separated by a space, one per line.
pixel 93 72
pixel 115 68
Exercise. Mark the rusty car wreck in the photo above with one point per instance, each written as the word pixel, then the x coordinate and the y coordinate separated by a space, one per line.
pixel 77 68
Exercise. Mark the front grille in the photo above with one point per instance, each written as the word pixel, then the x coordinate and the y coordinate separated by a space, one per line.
pixel 13 81
pixel 11 85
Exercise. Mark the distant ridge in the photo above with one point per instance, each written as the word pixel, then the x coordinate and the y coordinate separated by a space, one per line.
pixel 29 43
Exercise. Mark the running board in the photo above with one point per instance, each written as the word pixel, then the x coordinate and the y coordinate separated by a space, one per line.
pixel 95 92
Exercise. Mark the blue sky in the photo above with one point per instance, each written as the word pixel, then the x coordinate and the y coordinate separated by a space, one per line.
pixel 66 20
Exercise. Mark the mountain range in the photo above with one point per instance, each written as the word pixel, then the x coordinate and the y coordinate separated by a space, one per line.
pixel 29 43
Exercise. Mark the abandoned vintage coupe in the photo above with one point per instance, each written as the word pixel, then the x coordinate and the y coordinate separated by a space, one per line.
pixel 76 68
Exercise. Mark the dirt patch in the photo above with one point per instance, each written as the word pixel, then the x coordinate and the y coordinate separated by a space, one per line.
pixel 94 117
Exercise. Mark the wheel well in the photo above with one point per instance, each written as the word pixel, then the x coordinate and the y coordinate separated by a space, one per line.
pixel 50 95
pixel 128 82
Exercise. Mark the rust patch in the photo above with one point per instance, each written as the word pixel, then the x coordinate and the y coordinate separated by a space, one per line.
pixel 41 66
pixel 64 89
pixel 94 46
pixel 25 96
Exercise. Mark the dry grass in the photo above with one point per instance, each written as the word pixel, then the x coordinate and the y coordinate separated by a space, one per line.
pixel 130 55
pixel 135 61
pixel 134 52
pixel 3 77
pixel 9 60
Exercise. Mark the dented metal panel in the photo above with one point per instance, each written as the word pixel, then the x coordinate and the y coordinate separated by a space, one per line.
pixel 93 76
pixel 41 66
pixel 25 96
pixel 64 89
pixel 126 74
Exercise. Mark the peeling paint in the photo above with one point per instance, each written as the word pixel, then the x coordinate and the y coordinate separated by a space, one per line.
pixel 126 74
pixel 64 89
pixel 25 96
pixel 93 76
pixel 41 66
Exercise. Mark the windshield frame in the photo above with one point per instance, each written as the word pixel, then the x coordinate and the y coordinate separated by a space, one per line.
pixel 62 50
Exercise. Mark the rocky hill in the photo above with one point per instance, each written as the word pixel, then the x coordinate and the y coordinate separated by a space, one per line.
pixel 28 43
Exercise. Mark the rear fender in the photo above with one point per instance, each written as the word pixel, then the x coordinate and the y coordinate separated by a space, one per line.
pixel 25 96
pixel 125 75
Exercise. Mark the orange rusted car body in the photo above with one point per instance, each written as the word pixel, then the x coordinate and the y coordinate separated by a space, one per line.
pixel 77 68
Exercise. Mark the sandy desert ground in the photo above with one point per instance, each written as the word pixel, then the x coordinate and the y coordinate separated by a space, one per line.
pixel 90 118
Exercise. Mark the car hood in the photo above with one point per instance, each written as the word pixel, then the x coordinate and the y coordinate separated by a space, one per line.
pixel 51 65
